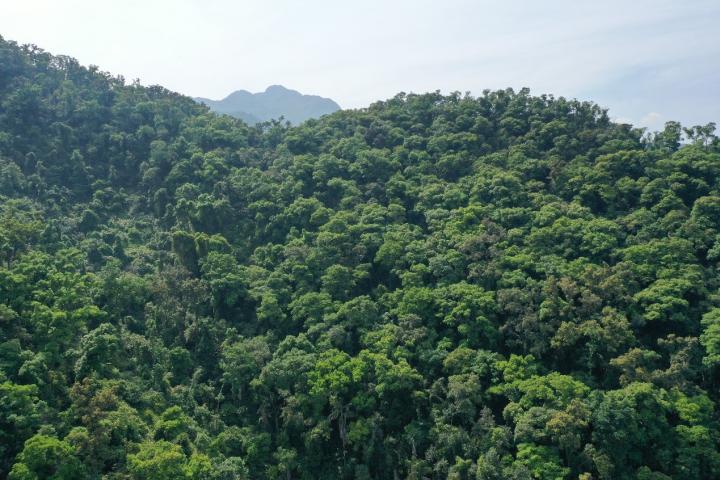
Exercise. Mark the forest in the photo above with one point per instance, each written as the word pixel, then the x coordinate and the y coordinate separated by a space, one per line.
pixel 438 286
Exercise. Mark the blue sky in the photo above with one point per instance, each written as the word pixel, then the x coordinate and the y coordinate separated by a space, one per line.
pixel 647 61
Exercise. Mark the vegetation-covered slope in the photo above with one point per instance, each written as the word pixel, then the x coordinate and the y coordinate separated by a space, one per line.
pixel 500 287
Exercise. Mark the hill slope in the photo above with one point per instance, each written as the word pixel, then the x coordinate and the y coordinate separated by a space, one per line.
pixel 275 102
pixel 503 286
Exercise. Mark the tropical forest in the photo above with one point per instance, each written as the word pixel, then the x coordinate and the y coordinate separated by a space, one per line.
pixel 438 286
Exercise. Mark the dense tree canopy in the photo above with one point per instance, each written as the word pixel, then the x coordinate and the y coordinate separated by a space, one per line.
pixel 435 287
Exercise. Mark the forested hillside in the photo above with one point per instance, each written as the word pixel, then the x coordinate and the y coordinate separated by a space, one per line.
pixel 436 287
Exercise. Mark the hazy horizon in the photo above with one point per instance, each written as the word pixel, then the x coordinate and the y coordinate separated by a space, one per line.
pixel 648 62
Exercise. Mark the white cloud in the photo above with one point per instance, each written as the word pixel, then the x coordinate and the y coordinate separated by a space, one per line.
pixel 652 120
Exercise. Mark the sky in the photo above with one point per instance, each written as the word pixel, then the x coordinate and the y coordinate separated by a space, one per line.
pixel 648 61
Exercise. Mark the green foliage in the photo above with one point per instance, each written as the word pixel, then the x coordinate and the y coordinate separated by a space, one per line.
pixel 438 286
pixel 158 461
pixel 47 457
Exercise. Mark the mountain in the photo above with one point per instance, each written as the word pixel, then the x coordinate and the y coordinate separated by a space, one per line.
pixel 435 287
pixel 275 102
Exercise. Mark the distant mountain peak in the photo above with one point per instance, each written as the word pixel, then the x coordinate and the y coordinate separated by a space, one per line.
pixel 277 88
pixel 275 102
pixel 239 93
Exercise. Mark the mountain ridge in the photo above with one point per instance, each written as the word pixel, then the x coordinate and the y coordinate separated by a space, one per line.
pixel 275 102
